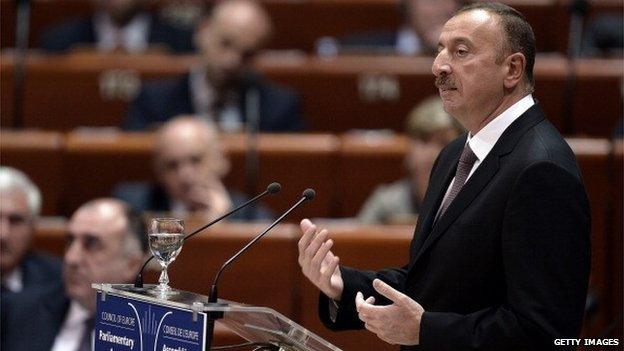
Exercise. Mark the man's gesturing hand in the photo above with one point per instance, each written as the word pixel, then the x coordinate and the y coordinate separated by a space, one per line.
pixel 317 262
pixel 398 323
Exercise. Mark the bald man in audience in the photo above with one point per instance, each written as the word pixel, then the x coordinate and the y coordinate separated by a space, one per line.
pixel 117 25
pixel 190 165
pixel 26 275
pixel 106 243
pixel 223 88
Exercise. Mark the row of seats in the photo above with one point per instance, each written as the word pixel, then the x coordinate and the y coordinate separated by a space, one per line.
pixel 299 24
pixel 268 274
pixel 340 94
pixel 75 167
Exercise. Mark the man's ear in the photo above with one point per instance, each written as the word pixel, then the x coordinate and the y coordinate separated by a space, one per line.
pixel 515 65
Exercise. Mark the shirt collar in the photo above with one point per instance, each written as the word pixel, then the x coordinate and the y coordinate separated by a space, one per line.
pixel 407 42
pixel 77 314
pixel 485 139
pixel 133 36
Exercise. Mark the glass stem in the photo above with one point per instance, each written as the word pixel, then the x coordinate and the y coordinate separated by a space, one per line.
pixel 164 278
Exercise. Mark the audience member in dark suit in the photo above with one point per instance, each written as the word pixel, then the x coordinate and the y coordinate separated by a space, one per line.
pixel 125 25
pixel 190 165
pixel 500 255
pixel 223 88
pixel 422 23
pixel 604 36
pixel 27 276
pixel 106 243
pixel 429 129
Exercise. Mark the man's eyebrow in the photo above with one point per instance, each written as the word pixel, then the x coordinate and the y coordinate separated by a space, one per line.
pixel 461 40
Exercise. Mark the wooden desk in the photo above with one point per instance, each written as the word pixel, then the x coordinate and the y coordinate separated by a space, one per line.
pixel 40 156
pixel 95 163
pixel 339 94
pixel 299 24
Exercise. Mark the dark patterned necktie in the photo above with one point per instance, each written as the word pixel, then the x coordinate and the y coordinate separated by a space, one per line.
pixel 466 161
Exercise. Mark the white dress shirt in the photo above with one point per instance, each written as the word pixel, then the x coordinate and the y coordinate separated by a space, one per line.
pixel 133 37
pixel 485 139
pixel 408 43
pixel 203 97
pixel 14 281
pixel 73 328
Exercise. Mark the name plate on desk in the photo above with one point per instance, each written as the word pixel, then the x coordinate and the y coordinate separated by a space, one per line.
pixel 143 323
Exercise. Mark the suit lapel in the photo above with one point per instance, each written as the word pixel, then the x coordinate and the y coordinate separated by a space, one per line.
pixel 481 177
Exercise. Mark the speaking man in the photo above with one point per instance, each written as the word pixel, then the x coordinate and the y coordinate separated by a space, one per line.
pixel 500 255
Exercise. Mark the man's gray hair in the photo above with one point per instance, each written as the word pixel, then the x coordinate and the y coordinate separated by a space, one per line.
pixel 13 179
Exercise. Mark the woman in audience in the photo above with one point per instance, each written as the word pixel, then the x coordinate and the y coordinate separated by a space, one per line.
pixel 429 129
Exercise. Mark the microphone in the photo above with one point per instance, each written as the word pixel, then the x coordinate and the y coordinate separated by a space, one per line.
pixel 272 189
pixel 307 195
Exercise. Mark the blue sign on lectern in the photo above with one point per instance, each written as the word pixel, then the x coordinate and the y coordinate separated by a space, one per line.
pixel 128 324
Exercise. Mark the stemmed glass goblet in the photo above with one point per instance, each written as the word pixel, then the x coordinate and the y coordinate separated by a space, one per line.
pixel 166 236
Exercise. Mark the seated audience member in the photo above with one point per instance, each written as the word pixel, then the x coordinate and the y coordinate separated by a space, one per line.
pixel 422 24
pixel 223 87
pixel 190 165
pixel 604 36
pixel 118 25
pixel 26 275
pixel 106 242
pixel 429 129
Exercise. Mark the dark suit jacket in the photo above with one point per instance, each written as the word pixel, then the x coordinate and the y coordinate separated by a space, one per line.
pixel 506 266
pixel 149 197
pixel 62 37
pixel 31 318
pixel 162 100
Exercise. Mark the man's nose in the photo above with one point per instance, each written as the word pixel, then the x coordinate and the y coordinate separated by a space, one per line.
pixel 440 64
pixel 73 254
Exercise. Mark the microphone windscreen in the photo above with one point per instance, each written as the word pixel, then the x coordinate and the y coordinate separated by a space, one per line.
pixel 274 188
pixel 309 194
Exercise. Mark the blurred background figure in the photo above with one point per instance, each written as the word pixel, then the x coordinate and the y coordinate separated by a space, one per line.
pixel 429 129
pixel 106 242
pixel 604 36
pixel 125 25
pixel 190 166
pixel 27 276
pixel 422 24
pixel 223 89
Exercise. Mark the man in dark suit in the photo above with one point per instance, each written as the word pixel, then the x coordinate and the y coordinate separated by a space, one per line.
pixel 500 255
pixel 223 89
pixel 190 165
pixel 125 25
pixel 106 242
pixel 27 276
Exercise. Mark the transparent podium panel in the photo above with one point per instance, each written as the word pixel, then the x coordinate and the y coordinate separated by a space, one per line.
pixel 258 325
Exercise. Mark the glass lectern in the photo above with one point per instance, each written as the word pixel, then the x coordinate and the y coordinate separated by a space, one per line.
pixel 129 318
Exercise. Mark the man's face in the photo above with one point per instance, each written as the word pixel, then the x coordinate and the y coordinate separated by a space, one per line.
pixel 228 45
pixel 96 253
pixel 427 18
pixel 468 75
pixel 185 163
pixel 16 228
